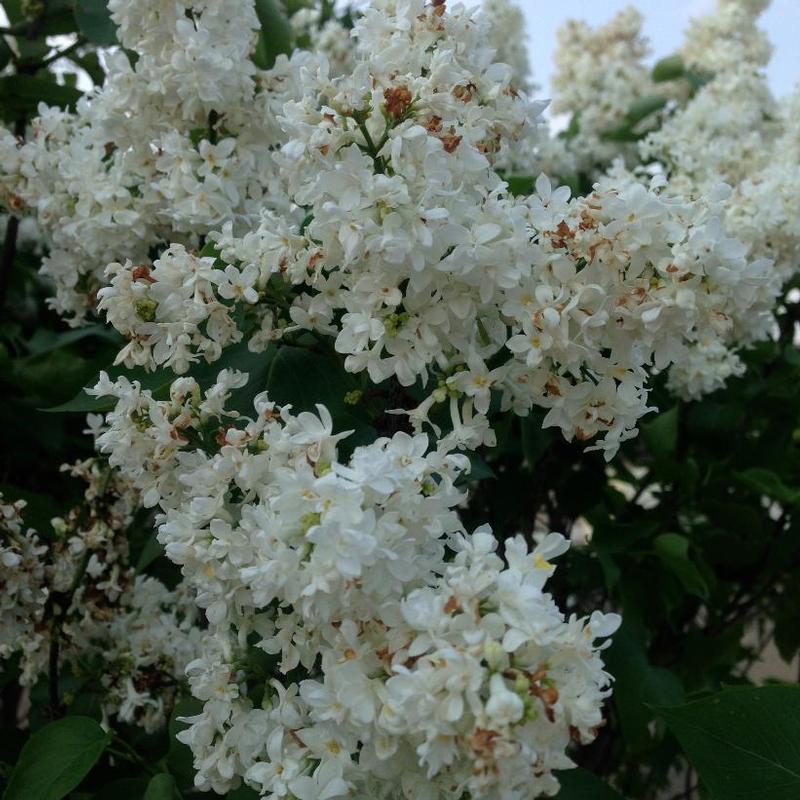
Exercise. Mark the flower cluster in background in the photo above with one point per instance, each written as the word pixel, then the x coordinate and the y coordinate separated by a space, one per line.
pixel 74 596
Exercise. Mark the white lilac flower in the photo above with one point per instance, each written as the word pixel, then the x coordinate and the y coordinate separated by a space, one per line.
pixel 425 652
pixel 412 254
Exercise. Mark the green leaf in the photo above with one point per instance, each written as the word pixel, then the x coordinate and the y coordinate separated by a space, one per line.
pixel 179 757
pixel 638 684
pixel 580 784
pixel 84 403
pixel 673 550
pixel 668 69
pixel 644 107
pixel 791 354
pixel 256 365
pixel 641 109
pixel 95 23
pixel 535 438
pixel 767 482
pixel 56 759
pixel 479 470
pixel 5 52
pixel 275 36
pixel 152 550
pixel 123 789
pixel 44 340
pixel 743 742
pixel 58 18
pixel 21 94
pixel 242 793
pixel 304 378
pixel 41 507
pixel 661 433
pixel 161 787
pixel 573 129
pixel 520 184
pixel 90 62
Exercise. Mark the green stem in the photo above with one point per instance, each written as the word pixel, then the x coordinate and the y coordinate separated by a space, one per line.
pixel 59 617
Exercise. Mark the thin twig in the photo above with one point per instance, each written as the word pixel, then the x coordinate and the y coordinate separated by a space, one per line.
pixel 62 53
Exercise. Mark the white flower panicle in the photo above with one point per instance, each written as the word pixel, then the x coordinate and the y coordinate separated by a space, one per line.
pixel 319 32
pixel 735 130
pixel 75 590
pixel 429 666
pixel 167 149
pixel 599 74
pixel 23 592
pixel 507 36
pixel 727 38
pixel 411 253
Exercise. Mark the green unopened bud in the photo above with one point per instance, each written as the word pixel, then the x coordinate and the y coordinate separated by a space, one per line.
pixel 353 398
pixel 146 309
pixel 393 322
pixel 439 395
pixel 494 654
pixel 309 520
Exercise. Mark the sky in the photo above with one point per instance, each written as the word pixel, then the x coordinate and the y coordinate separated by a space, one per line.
pixel 665 21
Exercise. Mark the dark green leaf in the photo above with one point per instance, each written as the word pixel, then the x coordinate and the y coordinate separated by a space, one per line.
pixel 5 52
pixel 152 550
pixel 84 403
pixel 275 36
pixel 638 683
pixel 56 759
pixel 179 757
pixel 256 365
pixel 791 354
pixel 95 23
pixel 90 62
pixel 768 483
pixel 43 340
pixel 535 438
pixel 743 742
pixel 161 787
pixel 304 378
pixel 661 433
pixel 242 793
pixel 580 784
pixel 520 184
pixel 573 129
pixel 124 789
pixel 673 550
pixel 59 19
pixel 21 94
pixel 479 470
